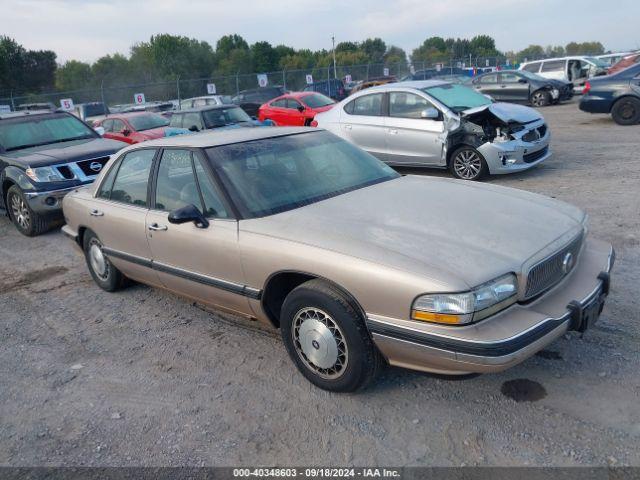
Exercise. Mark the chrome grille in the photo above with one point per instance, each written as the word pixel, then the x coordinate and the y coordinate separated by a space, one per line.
pixel 550 271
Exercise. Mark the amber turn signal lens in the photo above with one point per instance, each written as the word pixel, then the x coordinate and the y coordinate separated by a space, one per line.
pixel 435 317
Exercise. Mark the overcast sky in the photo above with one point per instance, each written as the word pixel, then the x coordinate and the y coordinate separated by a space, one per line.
pixel 88 29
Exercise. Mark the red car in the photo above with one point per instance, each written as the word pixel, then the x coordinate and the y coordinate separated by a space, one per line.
pixel 295 108
pixel 133 127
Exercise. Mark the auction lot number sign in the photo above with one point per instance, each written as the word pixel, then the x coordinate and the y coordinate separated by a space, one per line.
pixel 138 98
pixel 66 104
pixel 262 79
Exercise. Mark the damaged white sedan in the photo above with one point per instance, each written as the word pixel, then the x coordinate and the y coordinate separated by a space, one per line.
pixel 438 124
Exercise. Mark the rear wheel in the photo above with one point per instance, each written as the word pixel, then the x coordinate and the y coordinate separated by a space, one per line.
pixel 540 98
pixel 104 273
pixel 626 111
pixel 27 221
pixel 327 339
pixel 468 164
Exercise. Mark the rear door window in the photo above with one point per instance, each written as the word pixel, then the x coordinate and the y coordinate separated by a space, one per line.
pixel 553 66
pixel 369 105
pixel 532 67
pixel 492 78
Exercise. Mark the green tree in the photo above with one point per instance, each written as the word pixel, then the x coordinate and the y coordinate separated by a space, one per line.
pixel 395 56
pixel 226 44
pixel 73 75
pixel 554 51
pixel 374 49
pixel 531 53
pixel 39 70
pixel 264 56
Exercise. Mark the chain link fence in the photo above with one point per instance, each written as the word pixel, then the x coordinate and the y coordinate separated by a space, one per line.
pixel 231 85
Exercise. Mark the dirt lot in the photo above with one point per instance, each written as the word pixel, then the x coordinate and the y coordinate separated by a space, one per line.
pixel 144 378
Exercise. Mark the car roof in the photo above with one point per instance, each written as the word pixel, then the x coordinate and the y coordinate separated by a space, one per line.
pixel 216 138
pixel 417 84
pixel 130 114
pixel 27 113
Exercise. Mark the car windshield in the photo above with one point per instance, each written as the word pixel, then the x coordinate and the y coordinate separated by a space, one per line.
pixel 147 122
pixel 95 109
pixel 273 175
pixel 457 97
pixel 221 117
pixel 317 100
pixel 27 131
pixel 598 62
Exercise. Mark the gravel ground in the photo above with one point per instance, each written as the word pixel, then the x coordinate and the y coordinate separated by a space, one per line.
pixel 142 377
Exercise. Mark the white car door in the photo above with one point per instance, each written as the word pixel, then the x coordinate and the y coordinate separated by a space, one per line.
pixel 362 123
pixel 411 139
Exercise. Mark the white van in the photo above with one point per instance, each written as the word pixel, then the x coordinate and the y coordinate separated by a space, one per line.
pixel 571 69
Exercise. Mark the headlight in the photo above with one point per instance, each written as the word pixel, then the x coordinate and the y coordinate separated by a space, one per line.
pixel 462 308
pixel 44 174
pixel 585 224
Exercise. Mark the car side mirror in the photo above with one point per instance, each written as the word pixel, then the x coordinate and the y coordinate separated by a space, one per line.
pixel 522 80
pixel 189 213
pixel 100 131
pixel 126 132
pixel 194 128
pixel 430 113
pixel 301 109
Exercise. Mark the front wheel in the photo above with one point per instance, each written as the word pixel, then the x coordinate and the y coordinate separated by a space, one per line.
pixel 104 273
pixel 468 164
pixel 327 339
pixel 626 111
pixel 540 98
pixel 26 221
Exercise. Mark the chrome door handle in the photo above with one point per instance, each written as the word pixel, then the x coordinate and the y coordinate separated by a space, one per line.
pixel 347 127
pixel 96 213
pixel 155 227
pixel 393 131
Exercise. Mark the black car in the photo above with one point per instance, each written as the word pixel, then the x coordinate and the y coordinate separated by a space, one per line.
pixel 332 88
pixel 617 94
pixel 211 116
pixel 522 87
pixel 44 155
pixel 251 100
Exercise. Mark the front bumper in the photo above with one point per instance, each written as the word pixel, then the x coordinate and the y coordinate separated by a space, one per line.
pixel 516 155
pixel 47 202
pixel 507 338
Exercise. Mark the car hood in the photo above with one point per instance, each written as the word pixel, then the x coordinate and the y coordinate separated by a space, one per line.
pixel 73 151
pixel 429 226
pixel 153 133
pixel 506 112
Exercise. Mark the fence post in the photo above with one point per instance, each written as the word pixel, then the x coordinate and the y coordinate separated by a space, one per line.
pixel 329 79
pixel 178 89
pixel 367 72
pixel 13 105
pixel 237 83
pixel 104 104
pixel 284 79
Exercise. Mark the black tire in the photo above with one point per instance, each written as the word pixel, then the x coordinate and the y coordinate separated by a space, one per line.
pixel 356 365
pixel 110 278
pixel 467 163
pixel 27 221
pixel 626 111
pixel 540 98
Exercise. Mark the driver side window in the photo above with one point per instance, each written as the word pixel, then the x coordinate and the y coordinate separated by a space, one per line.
pixel 407 105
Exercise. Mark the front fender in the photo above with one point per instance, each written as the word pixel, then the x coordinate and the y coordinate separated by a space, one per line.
pixel 16 176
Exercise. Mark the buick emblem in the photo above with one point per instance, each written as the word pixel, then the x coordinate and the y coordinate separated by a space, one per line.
pixel 95 166
pixel 567 263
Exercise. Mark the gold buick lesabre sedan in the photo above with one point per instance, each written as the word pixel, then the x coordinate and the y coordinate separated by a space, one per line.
pixel 354 263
